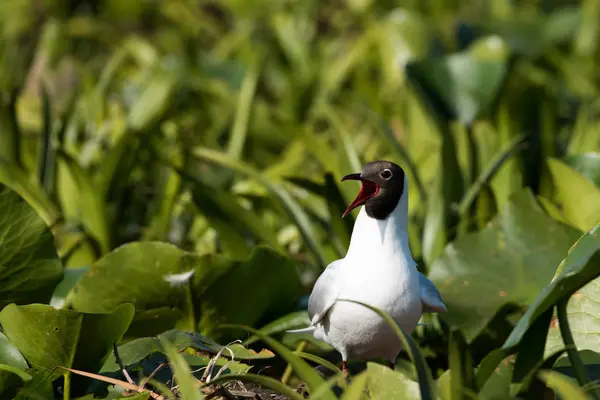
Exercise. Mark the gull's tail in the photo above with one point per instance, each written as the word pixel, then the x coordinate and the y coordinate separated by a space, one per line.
pixel 308 329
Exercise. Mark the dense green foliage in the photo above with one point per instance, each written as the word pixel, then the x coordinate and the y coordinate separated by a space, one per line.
pixel 169 182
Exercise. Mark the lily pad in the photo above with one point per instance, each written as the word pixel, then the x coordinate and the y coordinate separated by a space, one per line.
pixel 577 269
pixel 510 261
pixel 29 264
pixel 49 338
pixel 154 275
pixel 583 309
pixel 385 383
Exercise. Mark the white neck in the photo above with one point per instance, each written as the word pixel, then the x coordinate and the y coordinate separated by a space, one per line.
pixel 388 237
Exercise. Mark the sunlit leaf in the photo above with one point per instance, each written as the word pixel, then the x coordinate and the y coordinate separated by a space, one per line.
pixel 29 263
pixel 519 252
pixel 579 197
pixel 48 337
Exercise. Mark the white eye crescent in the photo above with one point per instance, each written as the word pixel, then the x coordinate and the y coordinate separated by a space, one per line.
pixel 386 174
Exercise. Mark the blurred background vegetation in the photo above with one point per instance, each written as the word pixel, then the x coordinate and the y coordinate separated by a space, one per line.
pixel 218 126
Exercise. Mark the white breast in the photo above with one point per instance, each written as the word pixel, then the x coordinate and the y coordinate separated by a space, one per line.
pixel 378 270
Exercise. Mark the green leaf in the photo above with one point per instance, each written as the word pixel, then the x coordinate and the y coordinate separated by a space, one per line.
pixel 18 180
pixel 587 164
pixel 461 84
pixel 62 290
pixel 580 198
pixel 48 337
pixel 566 387
pixel 268 281
pixel 578 268
pixel 301 368
pixel 293 209
pixel 15 371
pixel 385 383
pixel 82 200
pixel 497 386
pixel 11 362
pixel 356 389
pixel 240 125
pixel 153 100
pixel 531 350
pixel 462 374
pixel 584 287
pixel 152 275
pixel 261 380
pixel 318 360
pixel 29 264
pixel 487 174
pixel 230 219
pixel 510 261
pixel 137 350
pixel 38 388
pixel 182 373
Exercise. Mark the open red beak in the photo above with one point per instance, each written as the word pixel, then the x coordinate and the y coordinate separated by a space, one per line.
pixel 367 191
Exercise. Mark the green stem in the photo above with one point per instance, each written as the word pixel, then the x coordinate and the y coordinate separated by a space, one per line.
pixel 67 386
pixel 574 358
pixel 288 370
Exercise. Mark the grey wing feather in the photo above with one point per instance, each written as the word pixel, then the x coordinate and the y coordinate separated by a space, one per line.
pixel 324 293
pixel 430 296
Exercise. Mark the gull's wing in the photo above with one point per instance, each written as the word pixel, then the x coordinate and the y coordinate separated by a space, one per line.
pixel 324 293
pixel 432 301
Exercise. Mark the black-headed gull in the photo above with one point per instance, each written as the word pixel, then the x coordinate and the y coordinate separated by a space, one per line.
pixel 378 270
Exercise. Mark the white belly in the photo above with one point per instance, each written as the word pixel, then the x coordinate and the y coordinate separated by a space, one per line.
pixel 357 332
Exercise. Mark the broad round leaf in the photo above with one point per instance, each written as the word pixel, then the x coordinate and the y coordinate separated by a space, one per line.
pixel 29 264
pixel 583 309
pixel 136 350
pixel 509 262
pixel 49 337
pixel 153 275
pixel 579 267
pixel 385 383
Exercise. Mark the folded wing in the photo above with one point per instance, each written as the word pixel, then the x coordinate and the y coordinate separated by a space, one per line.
pixel 324 293
pixel 430 296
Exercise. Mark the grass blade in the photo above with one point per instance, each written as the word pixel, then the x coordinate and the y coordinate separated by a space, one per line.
pixel 356 389
pixel 486 175
pixel 303 370
pixel 183 375
pixel 116 382
pixel 574 357
pixel 426 383
pixel 462 376
pixel 292 208
pixel 321 361
pixel 18 180
pixel 17 371
pixel 10 136
pixel 264 381
pixel 46 152
pixel 562 385
pixel 237 138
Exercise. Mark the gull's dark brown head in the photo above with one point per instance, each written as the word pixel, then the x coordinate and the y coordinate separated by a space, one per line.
pixel 381 190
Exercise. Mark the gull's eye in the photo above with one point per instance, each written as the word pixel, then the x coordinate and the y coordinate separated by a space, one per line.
pixel 386 174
